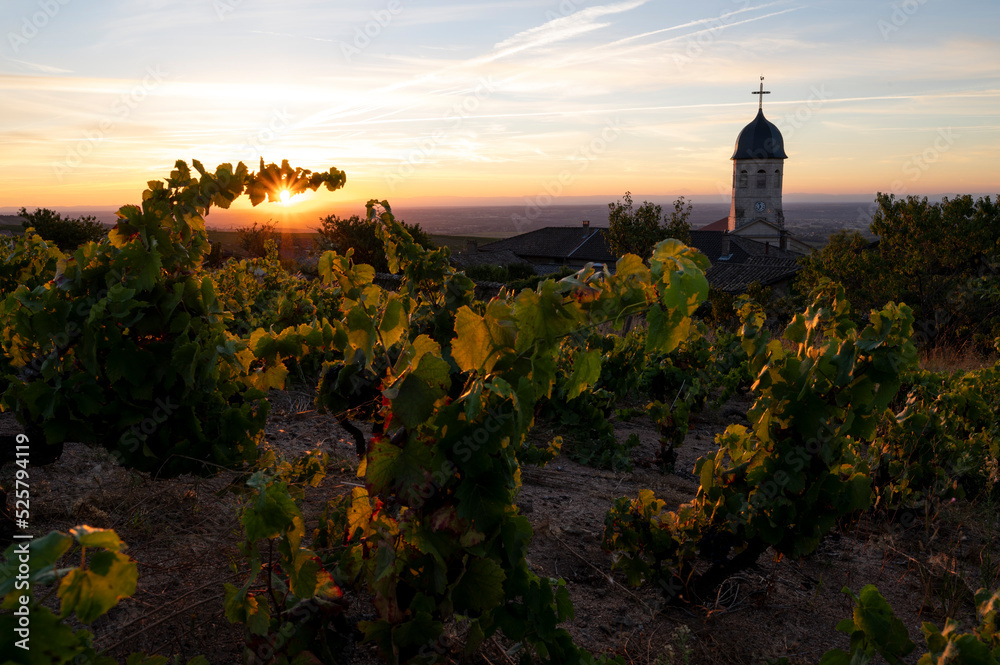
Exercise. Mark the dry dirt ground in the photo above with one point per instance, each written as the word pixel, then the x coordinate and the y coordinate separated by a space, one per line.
pixel 184 533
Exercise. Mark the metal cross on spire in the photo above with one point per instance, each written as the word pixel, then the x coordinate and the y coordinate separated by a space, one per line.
pixel 760 106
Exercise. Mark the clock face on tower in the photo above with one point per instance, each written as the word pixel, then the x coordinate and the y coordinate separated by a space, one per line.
pixel 759 206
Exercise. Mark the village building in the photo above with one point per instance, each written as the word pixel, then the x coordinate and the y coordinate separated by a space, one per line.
pixel 750 245
pixel 758 173
pixel 548 249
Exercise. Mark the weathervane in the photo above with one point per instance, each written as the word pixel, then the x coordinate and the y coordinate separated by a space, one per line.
pixel 760 106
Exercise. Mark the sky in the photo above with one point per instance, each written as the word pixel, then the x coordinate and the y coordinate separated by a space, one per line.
pixel 438 101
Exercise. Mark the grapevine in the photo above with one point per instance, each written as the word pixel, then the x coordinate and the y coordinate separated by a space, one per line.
pixel 86 592
pixel 874 629
pixel 128 334
pixel 943 443
pixel 787 480
pixel 435 534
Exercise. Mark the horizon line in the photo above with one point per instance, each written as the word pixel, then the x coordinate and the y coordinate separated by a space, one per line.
pixel 514 201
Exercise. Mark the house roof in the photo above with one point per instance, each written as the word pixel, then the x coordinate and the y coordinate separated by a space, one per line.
pixel 713 243
pixel 557 242
pixel 709 243
pixel 718 225
pixel 736 277
pixel 594 248
pixel 757 248
pixel 745 260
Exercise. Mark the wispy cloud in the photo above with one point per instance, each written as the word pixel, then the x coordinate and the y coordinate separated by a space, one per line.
pixel 722 20
pixel 723 26
pixel 72 84
pixel 554 80
pixel 288 34
pixel 563 28
pixel 465 12
pixel 38 67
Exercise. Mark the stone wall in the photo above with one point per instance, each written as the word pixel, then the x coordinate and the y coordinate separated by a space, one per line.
pixel 747 191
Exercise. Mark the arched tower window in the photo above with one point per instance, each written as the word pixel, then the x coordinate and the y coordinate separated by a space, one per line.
pixel 761 179
pixel 777 178
pixel 743 179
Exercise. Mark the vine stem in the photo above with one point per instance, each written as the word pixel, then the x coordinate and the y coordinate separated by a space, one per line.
pixel 270 579
pixel 605 575
pixel 679 390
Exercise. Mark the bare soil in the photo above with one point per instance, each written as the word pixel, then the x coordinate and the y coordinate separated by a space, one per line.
pixel 184 534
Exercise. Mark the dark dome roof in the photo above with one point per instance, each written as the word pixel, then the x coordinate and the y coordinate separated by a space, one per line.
pixel 760 140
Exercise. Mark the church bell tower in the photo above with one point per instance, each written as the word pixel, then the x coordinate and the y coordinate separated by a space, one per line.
pixel 758 171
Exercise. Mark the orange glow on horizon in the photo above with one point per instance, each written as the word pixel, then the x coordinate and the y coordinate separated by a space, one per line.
pixel 418 123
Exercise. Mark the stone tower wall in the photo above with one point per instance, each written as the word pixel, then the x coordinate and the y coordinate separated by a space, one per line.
pixel 742 211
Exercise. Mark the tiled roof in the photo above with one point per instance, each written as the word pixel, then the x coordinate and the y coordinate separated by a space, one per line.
pixel 594 248
pixel 757 248
pixel 717 225
pixel 736 277
pixel 557 242
pixel 745 262
pixel 709 243
pixel 713 243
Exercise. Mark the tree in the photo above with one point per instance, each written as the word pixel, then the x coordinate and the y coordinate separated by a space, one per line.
pixel 942 255
pixel 254 239
pixel 66 232
pixel 942 259
pixel 340 234
pixel 637 231
pixel 678 226
pixel 853 261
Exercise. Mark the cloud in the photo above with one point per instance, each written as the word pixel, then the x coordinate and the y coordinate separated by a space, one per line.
pixel 720 21
pixel 562 28
pixel 288 34
pixel 456 73
pixel 38 67
pixel 83 85
pixel 454 13
pixel 719 25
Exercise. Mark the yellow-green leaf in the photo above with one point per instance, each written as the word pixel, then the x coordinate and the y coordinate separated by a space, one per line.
pixel 90 592
pixel 586 371
pixel 472 348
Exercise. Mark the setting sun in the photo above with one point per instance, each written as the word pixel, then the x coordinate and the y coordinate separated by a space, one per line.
pixel 285 196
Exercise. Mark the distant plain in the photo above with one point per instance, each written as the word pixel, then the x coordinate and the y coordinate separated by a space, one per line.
pixel 812 222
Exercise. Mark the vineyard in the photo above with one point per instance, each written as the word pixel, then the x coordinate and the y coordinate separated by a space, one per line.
pixel 246 464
